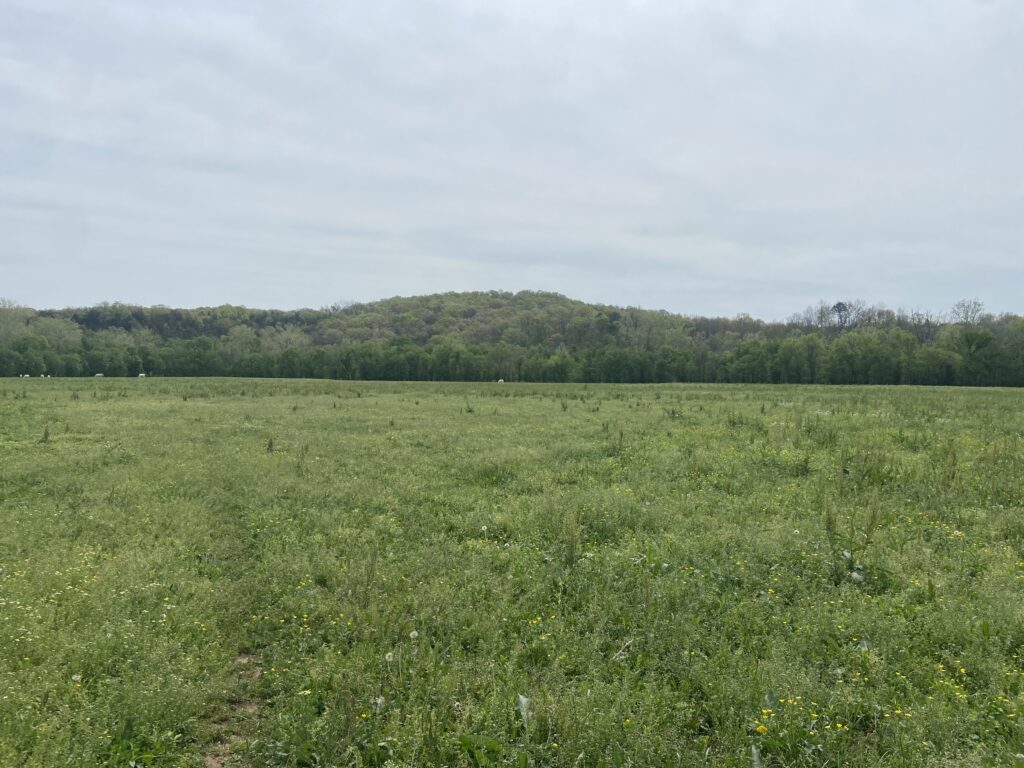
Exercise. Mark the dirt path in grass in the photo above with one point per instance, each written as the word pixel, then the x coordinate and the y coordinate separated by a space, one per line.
pixel 234 726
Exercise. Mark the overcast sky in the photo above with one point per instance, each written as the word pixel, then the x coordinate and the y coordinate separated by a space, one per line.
pixel 702 157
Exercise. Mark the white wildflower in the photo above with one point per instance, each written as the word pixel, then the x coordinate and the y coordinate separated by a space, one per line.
pixel 525 706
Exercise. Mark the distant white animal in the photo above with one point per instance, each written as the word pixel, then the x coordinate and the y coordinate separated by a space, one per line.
pixel 142 375
pixel 98 375
pixel 501 381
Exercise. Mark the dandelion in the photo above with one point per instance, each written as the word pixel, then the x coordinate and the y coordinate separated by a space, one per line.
pixel 761 729
pixel 389 657
pixel 413 635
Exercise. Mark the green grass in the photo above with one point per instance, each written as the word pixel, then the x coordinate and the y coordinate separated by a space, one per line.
pixel 275 573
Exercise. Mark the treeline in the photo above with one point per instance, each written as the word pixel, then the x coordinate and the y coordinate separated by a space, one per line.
pixel 527 336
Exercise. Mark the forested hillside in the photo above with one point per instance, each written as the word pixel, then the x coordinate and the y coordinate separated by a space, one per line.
pixel 525 336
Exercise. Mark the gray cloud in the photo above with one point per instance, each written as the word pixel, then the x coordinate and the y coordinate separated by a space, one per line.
pixel 704 157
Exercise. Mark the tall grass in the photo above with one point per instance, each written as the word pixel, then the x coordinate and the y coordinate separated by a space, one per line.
pixel 290 573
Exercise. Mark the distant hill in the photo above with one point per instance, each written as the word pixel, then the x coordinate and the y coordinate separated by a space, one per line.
pixel 530 336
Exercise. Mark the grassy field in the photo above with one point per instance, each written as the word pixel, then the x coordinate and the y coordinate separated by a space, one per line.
pixel 281 573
